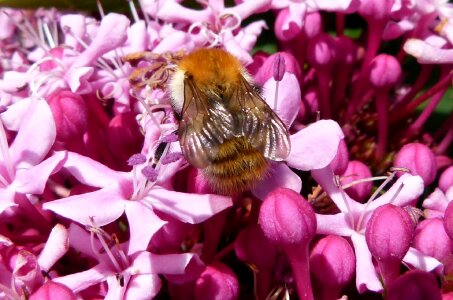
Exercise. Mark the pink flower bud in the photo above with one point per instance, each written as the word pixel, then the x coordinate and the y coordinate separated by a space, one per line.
pixel 285 28
pixel 346 51
pixel 286 218
pixel 431 238
pixel 217 282
pixel 70 113
pixel 376 9
pixel 124 136
pixel 448 220
pixel 389 233
pixel 321 51
pixel 419 159
pixel 385 71
pixel 53 290
pixel 357 170
pixel 313 24
pixel 415 285
pixel 446 179
pixel 332 261
pixel 341 160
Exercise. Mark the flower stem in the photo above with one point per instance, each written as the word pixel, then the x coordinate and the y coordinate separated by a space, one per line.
pixel 299 260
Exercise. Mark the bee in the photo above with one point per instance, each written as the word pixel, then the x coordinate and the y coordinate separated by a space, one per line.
pixel 226 129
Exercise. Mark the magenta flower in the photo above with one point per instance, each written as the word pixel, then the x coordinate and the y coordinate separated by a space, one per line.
pixel 135 194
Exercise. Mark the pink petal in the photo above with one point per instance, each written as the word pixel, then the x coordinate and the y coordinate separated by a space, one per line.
pixel 337 224
pixel 436 201
pixel 247 37
pixel 6 198
pixel 189 208
pixel 170 264
pixel 248 8
pixel 33 180
pixel 427 54
pixel 79 281
pixel 112 34
pixel 143 224
pixel 344 6
pixel 315 146
pixel 422 262
pixel 366 275
pixel 171 11
pixel 142 287
pixel 56 246
pixel 412 188
pixel 77 79
pixel 35 137
pixel 76 23
pixel 91 172
pixel 80 240
pixel 280 175
pixel 101 207
pixel 12 81
pixel 174 41
pixel 289 97
pixel 14 115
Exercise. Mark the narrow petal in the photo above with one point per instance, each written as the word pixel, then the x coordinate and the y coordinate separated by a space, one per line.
pixel 171 11
pixel 35 137
pixel 366 275
pixel 99 207
pixel 315 146
pixel 280 175
pixel 436 201
pixel 80 240
pixel 79 281
pixel 288 97
pixel 334 224
pixel 143 287
pixel 428 54
pixel 33 180
pixel 56 246
pixel 14 115
pixel 7 198
pixel 247 8
pixel 420 261
pixel 404 191
pixel 91 172
pixel 190 208
pixel 143 223
pixel 169 264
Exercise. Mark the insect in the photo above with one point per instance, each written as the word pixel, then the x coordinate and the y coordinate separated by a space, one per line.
pixel 225 127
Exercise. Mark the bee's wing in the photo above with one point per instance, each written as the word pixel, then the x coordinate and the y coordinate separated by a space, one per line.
pixel 204 125
pixel 257 121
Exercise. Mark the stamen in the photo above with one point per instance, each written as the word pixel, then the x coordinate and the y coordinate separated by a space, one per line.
pixel 171 158
pixel 48 35
pixel 171 138
pixel 97 231
pixel 223 23
pixel 100 8
pixel 145 15
pixel 345 200
pixel 136 159
pixel 363 180
pixel 133 10
pixel 150 173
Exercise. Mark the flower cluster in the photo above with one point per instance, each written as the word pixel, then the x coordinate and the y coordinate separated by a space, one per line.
pixel 97 200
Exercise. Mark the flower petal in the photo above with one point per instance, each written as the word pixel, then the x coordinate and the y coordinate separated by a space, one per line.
pixel 55 247
pixel 190 208
pixel 420 261
pixel 79 281
pixel 97 208
pixel 334 224
pixel 315 146
pixel 169 264
pixel 143 223
pixel 33 180
pixel 143 287
pixel 35 137
pixel 404 191
pixel 280 175
pixel 366 275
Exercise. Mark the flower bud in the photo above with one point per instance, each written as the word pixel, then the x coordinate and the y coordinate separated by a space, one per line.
pixel 285 27
pixel 448 220
pixel 385 71
pixel 446 179
pixel 414 284
pixel 321 51
pixel 431 238
pixel 341 160
pixel 389 233
pixel 217 282
pixel 357 170
pixel 419 159
pixel 70 113
pixel 124 136
pixel 286 218
pixel 332 261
